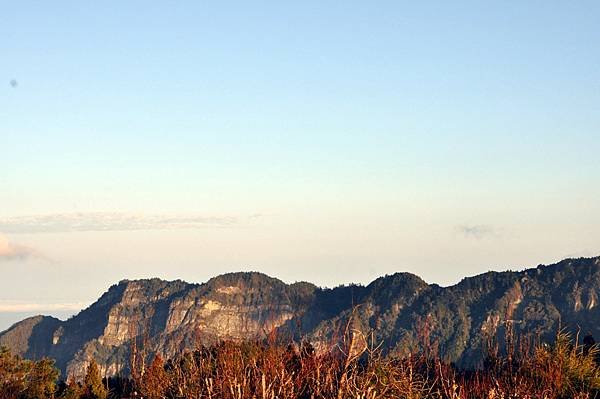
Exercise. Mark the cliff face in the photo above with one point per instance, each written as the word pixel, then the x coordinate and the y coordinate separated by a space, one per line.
pixel 171 316
pixel 401 311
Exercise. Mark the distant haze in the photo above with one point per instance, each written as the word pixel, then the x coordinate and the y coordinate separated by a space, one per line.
pixel 307 140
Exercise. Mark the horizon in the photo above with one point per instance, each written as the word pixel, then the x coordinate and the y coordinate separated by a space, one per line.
pixel 339 142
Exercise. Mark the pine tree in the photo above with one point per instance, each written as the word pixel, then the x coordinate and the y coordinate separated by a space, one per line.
pixel 72 390
pixel 92 383
pixel 12 374
pixel 41 380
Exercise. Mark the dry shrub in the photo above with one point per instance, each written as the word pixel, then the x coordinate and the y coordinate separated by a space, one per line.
pixel 278 370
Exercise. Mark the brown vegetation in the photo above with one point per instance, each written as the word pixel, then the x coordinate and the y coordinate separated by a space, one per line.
pixel 356 369
pixel 270 370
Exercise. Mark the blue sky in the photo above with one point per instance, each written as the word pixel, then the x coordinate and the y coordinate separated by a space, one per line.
pixel 322 141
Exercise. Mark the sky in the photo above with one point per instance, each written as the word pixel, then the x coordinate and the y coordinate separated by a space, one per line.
pixel 325 141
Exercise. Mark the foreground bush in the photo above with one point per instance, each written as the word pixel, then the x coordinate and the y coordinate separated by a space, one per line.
pixel 261 370
pixel 26 379
pixel 270 370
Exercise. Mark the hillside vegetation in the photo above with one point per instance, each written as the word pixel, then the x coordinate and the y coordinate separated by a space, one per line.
pixel 274 369
pixel 174 316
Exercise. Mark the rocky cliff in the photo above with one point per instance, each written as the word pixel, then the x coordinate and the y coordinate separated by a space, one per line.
pixel 401 311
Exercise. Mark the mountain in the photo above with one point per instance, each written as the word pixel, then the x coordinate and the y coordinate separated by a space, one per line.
pixel 401 311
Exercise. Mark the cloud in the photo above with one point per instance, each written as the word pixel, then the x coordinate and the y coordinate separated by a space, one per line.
pixel 103 221
pixel 19 307
pixel 12 251
pixel 477 231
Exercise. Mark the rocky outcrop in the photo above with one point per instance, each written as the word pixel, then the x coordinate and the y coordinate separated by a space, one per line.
pixel 28 338
pixel 400 311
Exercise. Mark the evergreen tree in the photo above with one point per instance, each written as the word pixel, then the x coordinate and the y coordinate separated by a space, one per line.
pixel 12 374
pixel 92 383
pixel 41 380
pixel 72 390
pixel 26 379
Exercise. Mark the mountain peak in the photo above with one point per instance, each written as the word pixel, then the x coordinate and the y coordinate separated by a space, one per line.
pixel 174 315
pixel 26 337
pixel 244 278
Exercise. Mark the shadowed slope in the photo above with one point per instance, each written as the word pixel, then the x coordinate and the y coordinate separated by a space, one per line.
pixel 401 311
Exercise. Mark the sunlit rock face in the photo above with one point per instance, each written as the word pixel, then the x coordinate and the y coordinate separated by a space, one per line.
pixel 170 316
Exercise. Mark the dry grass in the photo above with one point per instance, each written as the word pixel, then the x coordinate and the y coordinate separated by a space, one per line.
pixel 270 370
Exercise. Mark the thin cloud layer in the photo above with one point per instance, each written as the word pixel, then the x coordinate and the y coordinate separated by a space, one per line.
pixel 20 307
pixel 478 231
pixel 12 251
pixel 99 221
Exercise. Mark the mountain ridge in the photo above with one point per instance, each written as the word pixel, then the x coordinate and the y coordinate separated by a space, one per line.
pixel 177 315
